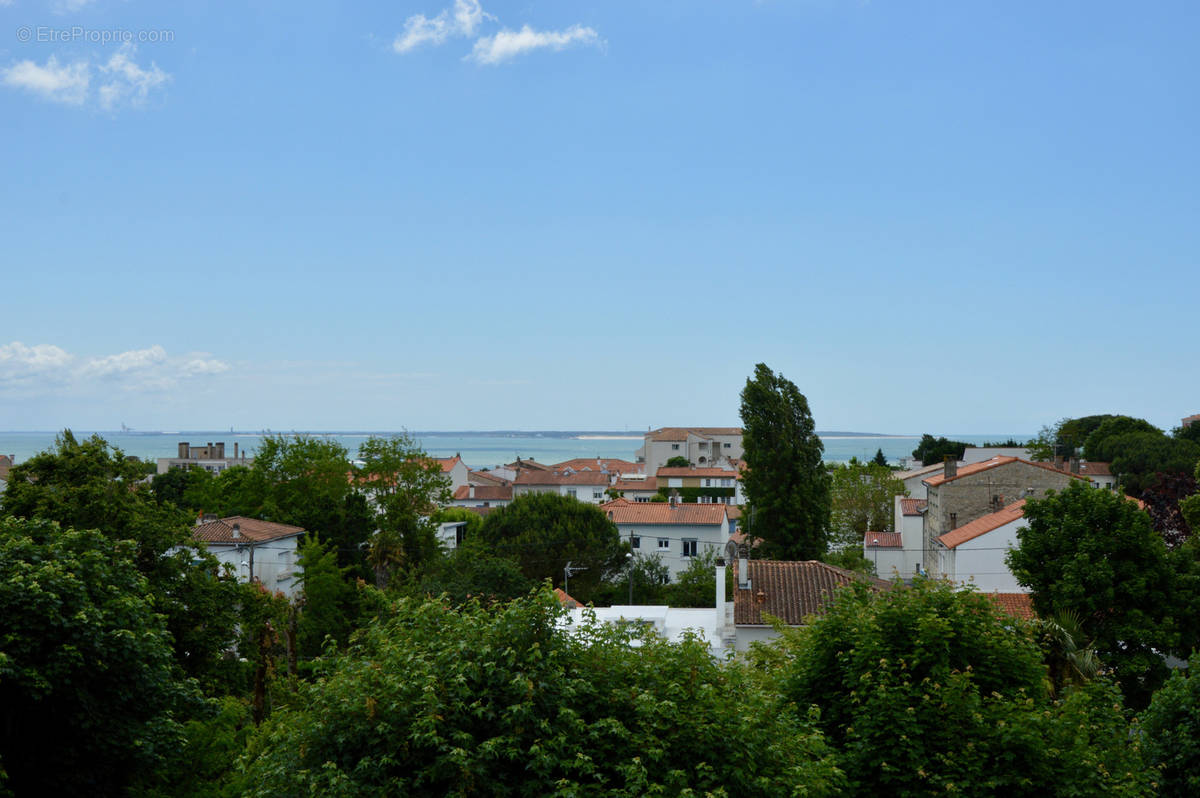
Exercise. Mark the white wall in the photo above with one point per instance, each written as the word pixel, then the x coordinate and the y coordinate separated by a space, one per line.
pixel 981 561
pixel 706 536
pixel 274 563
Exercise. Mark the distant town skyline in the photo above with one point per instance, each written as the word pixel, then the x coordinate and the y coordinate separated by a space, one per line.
pixel 451 214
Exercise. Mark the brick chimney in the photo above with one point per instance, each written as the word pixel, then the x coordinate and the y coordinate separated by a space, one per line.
pixel 950 466
pixel 1074 465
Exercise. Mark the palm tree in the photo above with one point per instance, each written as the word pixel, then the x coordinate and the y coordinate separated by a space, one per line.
pixel 1069 660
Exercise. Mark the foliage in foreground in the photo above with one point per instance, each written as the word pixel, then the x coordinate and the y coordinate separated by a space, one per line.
pixel 501 701
pixel 931 690
pixel 1172 728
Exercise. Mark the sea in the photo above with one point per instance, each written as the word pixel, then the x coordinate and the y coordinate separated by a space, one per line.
pixel 477 449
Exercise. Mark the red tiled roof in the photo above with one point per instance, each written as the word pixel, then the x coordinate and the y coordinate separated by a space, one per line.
pixel 1086 469
pixel 565 599
pixel 981 526
pixel 733 511
pixel 611 465
pixel 884 540
pixel 493 493
pixel 681 433
pixel 557 478
pixel 791 591
pixel 622 511
pixel 649 483
pixel 520 464
pixel 1018 605
pixel 673 471
pixel 486 478
pixel 447 463
pixel 975 468
pixel 913 506
pixel 251 530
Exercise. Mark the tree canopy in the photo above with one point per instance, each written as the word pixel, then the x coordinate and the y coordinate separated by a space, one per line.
pixel 545 531
pixel 88 692
pixel 786 484
pixel 863 499
pixel 932 450
pixel 930 689
pixel 1094 553
pixel 504 702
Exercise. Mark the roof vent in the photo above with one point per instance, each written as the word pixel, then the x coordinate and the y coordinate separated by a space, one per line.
pixel 237 531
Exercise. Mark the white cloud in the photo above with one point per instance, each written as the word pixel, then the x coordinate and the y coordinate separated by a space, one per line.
pixel 67 83
pixel 127 81
pixel 123 81
pixel 63 6
pixel 508 44
pixel 463 20
pixel 32 370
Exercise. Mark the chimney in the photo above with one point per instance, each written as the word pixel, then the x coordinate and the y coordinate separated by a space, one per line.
pixel 1074 465
pixel 235 450
pixel 470 491
pixel 1058 461
pixel 720 595
pixel 220 451
pixel 743 570
pixel 237 530
pixel 184 452
pixel 950 465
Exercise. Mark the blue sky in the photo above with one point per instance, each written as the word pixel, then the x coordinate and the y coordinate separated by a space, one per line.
pixel 931 216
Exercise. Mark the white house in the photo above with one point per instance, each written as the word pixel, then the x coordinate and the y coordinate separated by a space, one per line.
pixel 675 532
pixel 456 469
pixel 974 552
pixel 586 486
pixel 635 487
pixel 482 496
pixel 914 479
pixel 898 553
pixel 257 551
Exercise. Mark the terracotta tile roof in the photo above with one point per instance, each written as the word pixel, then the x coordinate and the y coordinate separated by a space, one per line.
pixel 733 511
pixel 252 530
pixel 883 540
pixel 611 465
pixel 1018 605
pixel 623 511
pixel 981 526
pixel 791 591
pixel 487 493
pixel 649 483
pixel 534 465
pixel 447 463
pixel 1086 469
pixel 725 473
pixel 681 433
pixel 565 599
pixel 995 462
pixel 486 478
pixel 913 506
pixel 561 478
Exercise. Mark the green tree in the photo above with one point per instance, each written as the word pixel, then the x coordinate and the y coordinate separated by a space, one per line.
pixel 504 702
pixel 328 606
pixel 696 585
pixel 1138 457
pixel 678 461
pixel 1094 553
pixel 473 571
pixel 1171 725
pixel 545 531
pixel 90 485
pixel 930 690
pixel 87 687
pixel 1099 446
pixel 879 459
pixel 863 500
pixel 407 487
pixel 785 482
pixel 932 450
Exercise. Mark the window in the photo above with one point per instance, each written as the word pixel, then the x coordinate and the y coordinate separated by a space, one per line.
pixel 689 548
pixel 708 483
pixel 674 447
pixel 571 493
pixel 664 543
pixel 729 446
pixel 635 542
pixel 597 494
pixel 642 499
pixel 954 520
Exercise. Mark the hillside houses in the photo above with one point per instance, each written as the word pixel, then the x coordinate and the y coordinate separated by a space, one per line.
pixel 701 446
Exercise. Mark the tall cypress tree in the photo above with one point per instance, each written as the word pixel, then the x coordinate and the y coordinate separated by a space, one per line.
pixel 786 483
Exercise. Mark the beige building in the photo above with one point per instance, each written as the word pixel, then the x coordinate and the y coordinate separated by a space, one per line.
pixel 957 496
pixel 702 446
pixel 211 457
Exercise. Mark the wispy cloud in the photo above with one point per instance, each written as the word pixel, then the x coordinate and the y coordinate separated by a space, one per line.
pixel 465 19
pixel 122 81
pixel 60 83
pixel 31 370
pixel 508 44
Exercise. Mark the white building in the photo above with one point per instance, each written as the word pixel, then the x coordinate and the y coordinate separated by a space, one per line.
pixel 675 532
pixel 256 551
pixel 701 446
pixel 456 469
pixel 586 486
pixel 482 496
pixel 898 554
pixel 974 553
